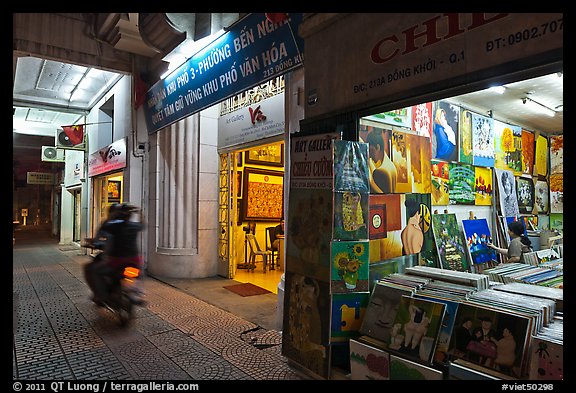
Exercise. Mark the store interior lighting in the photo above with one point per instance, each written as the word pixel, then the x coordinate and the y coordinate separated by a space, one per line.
pixel 539 107
pixel 497 89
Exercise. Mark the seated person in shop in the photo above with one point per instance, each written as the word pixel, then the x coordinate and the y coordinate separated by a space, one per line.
pixel 276 232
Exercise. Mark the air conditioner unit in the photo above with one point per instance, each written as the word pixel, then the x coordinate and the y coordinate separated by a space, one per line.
pixel 52 154
pixel 63 141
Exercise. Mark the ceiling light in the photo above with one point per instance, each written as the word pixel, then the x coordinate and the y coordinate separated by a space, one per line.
pixel 539 107
pixel 497 89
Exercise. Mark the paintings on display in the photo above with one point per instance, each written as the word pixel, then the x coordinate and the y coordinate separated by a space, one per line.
pixel 439 189
pixel 556 154
pixel 419 174
pixel 404 369
pixel 557 221
pixel 368 362
pixel 309 232
pixel 477 235
pixel 465 146
pixel 382 171
pixel 350 215
pixel 381 312
pixel 445 131
pixel 525 192
pixel 399 117
pixel 461 182
pixel 507 192
pixel 306 332
pixel 348 311
pixel 416 328
pixel 483 188
pixel 400 158
pixel 349 266
pixel 508 147
pixel 422 118
pixel 528 154
pixel 541 196
pixel 489 337
pixel 482 140
pixel 449 244
pixel 557 193
pixel 383 247
pixel 541 156
pixel 546 359
pixel 351 166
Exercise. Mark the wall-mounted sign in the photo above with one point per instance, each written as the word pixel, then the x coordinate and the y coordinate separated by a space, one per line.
pixel 110 158
pixel 257 121
pixel 39 178
pixel 253 51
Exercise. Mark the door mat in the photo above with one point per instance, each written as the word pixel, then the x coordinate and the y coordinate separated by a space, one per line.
pixel 246 289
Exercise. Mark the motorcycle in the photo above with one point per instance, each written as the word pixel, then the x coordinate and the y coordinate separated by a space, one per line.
pixel 122 287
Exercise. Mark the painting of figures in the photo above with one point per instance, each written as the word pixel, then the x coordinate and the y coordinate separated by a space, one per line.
pixel 445 131
pixel 449 242
pixel 477 235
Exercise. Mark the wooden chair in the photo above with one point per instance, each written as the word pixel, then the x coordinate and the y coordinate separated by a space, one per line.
pixel 256 251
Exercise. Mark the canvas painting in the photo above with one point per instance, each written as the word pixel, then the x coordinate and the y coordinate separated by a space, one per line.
pixel 449 242
pixel 381 311
pixel 477 235
pixel 557 221
pixel 404 369
pixel 382 171
pixel 382 269
pixel 483 188
pixel 349 266
pixel 461 182
pixel 309 232
pixel 416 328
pixel 525 191
pixel 508 147
pixel 441 355
pixel 507 191
pixel 377 228
pixel 422 119
pixel 541 196
pixel 557 193
pixel 416 234
pixel 546 359
pixel 399 117
pixel 465 147
pixel 350 215
pixel 556 154
pixel 390 246
pixel 445 131
pixel 351 166
pixel 541 156
pixel 439 188
pixel 482 140
pixel 493 339
pixel 528 146
pixel 400 158
pixel 368 362
pixel 306 311
pixel 420 175
pixel 348 311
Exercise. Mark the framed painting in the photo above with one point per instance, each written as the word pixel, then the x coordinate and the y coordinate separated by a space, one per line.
pixel 114 190
pixel 263 195
pixel 272 155
pixel 238 184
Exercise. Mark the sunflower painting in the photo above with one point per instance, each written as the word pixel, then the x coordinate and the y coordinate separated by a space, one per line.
pixel 350 266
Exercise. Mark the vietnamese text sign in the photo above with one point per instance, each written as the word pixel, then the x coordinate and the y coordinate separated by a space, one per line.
pixel 110 158
pixel 253 51
pixel 39 178
pixel 312 160
pixel 371 58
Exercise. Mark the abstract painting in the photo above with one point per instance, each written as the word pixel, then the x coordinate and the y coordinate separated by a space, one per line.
pixel 482 140
pixel 528 146
pixel 347 314
pixel 465 148
pixel 483 188
pixel 439 189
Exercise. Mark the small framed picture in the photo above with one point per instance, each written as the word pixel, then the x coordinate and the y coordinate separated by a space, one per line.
pixel 266 155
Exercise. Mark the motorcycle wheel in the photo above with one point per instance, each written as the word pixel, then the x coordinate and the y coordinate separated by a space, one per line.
pixel 125 309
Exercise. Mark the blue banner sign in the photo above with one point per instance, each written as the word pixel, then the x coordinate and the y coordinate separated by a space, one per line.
pixel 252 52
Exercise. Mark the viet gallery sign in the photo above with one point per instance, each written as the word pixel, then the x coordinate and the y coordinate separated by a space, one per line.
pixel 253 51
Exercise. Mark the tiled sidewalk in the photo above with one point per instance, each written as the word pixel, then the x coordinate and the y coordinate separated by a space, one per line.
pixel 60 334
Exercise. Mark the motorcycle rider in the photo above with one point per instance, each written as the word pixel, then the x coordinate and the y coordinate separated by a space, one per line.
pixel 121 249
